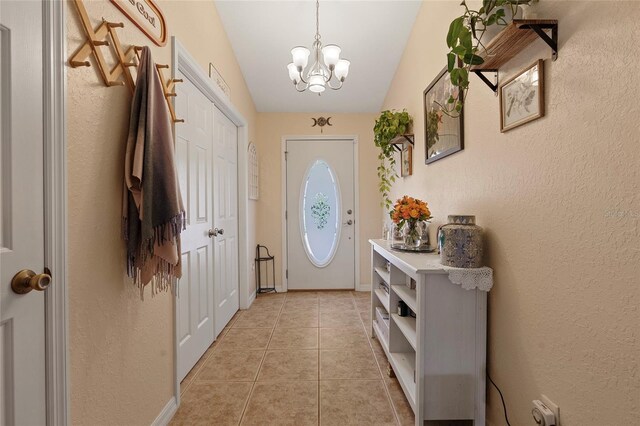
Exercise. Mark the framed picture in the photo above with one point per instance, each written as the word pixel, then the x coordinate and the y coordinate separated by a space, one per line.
pixel 444 135
pixel 406 160
pixel 522 97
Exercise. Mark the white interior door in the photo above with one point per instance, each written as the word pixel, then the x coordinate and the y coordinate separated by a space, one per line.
pixel 22 332
pixel 320 214
pixel 225 207
pixel 194 158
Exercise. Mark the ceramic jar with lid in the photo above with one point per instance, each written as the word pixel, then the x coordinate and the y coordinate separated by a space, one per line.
pixel 460 242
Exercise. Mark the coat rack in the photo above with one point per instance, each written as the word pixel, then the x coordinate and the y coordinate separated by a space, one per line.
pixel 119 75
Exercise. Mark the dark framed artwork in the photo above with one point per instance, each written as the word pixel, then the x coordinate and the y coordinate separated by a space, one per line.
pixel 444 135
pixel 406 160
pixel 522 97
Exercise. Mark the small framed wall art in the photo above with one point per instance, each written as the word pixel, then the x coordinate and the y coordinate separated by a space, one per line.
pixel 406 160
pixel 444 134
pixel 522 97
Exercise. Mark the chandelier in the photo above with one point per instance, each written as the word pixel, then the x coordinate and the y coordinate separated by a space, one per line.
pixel 319 75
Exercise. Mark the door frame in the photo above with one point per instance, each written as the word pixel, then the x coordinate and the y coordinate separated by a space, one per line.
pixel 55 205
pixel 356 193
pixel 183 61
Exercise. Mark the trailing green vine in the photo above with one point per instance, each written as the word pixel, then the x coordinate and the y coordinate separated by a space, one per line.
pixel 388 126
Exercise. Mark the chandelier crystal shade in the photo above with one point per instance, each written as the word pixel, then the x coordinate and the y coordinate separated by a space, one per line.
pixel 321 74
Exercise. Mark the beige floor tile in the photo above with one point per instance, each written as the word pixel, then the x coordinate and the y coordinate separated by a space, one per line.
pixel 365 317
pixel 333 319
pixel 300 305
pixel 256 319
pixel 245 338
pixel 399 401
pixel 337 305
pixel 286 365
pixel 302 295
pixel 232 365
pixel 354 402
pixel 294 338
pixel 297 319
pixel 288 403
pixel 334 294
pixel 343 338
pixel 348 364
pixel 266 307
pixel 212 404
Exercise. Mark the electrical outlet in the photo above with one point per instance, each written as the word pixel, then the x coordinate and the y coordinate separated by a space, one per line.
pixel 553 407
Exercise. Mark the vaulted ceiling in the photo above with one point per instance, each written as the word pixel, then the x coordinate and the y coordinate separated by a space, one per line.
pixel 372 35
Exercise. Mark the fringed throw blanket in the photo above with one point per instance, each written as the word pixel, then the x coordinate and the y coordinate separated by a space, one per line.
pixel 152 210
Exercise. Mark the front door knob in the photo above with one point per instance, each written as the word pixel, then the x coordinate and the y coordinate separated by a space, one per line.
pixel 26 280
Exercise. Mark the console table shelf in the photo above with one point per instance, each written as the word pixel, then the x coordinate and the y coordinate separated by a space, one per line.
pixel 438 356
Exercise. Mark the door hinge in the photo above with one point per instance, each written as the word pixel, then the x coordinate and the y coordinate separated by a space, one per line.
pixel 285 155
pixel 286 215
pixel 286 274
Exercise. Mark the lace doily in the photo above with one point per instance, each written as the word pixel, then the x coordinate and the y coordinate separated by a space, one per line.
pixel 471 278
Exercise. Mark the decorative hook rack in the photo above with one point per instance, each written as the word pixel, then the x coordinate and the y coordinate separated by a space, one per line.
pixel 120 75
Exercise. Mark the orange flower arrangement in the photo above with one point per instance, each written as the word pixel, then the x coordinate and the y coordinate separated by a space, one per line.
pixel 409 209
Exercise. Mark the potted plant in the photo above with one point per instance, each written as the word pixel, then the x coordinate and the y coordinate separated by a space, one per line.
pixel 466 38
pixel 389 125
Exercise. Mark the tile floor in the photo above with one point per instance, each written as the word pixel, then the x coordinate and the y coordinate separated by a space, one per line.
pixel 299 358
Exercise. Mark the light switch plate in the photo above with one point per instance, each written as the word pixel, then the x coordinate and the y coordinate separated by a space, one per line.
pixel 553 407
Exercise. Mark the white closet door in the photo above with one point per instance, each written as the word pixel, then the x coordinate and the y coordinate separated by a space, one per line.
pixel 225 208
pixel 22 323
pixel 194 159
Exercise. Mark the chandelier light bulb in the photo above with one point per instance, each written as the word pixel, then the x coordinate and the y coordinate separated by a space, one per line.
pixel 331 54
pixel 300 55
pixel 316 83
pixel 342 69
pixel 294 75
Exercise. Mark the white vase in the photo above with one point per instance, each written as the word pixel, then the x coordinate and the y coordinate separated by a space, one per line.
pixel 495 29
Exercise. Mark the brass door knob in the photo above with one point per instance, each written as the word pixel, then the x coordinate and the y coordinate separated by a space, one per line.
pixel 26 280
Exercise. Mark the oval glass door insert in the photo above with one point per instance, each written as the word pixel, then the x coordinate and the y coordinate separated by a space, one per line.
pixel 320 213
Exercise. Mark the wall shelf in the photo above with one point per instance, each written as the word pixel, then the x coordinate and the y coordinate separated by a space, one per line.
pixel 512 40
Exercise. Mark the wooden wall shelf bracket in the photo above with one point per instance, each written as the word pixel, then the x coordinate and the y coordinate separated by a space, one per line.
pixel 119 75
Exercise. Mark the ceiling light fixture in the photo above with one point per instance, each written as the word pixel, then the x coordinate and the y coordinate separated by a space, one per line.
pixel 320 75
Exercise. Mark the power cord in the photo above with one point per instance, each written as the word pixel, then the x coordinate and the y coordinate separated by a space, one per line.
pixel 504 406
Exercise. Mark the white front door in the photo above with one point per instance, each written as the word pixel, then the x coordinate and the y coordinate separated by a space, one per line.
pixel 194 158
pixel 22 324
pixel 225 208
pixel 320 212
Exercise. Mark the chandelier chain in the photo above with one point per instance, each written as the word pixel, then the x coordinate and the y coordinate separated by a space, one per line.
pixel 317 19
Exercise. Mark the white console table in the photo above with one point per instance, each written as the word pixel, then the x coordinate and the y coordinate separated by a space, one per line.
pixel 439 357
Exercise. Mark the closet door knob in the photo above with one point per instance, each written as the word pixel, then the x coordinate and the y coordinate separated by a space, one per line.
pixel 26 280
pixel 215 232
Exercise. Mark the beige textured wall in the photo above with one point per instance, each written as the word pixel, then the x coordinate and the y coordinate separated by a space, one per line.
pixel 273 126
pixel 121 349
pixel 559 201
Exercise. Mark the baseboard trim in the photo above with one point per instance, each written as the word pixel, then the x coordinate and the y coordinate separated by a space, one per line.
pixel 363 287
pixel 167 413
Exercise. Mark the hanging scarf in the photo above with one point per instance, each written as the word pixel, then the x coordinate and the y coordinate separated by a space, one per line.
pixel 152 212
